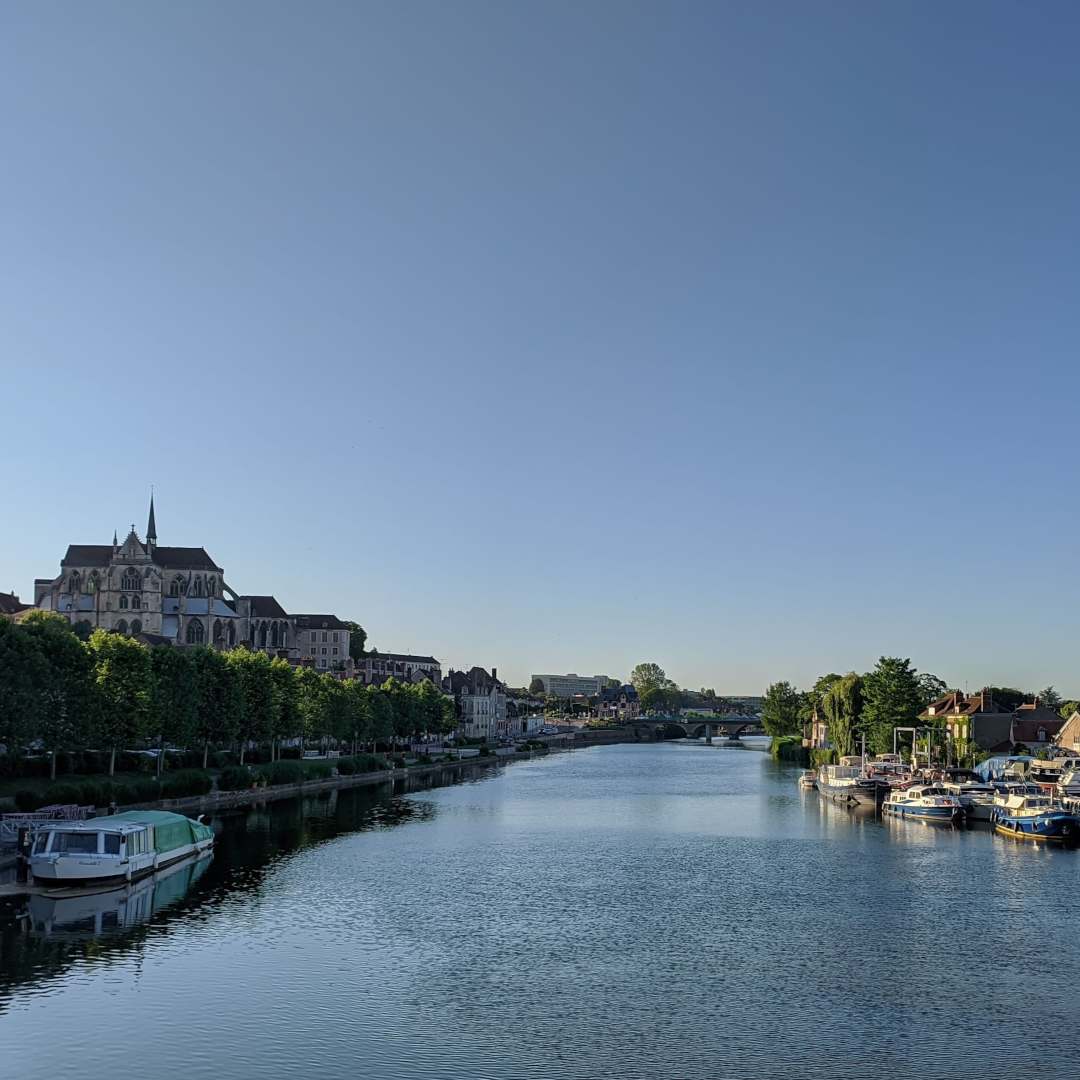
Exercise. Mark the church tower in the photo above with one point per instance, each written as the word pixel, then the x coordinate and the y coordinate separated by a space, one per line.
pixel 151 529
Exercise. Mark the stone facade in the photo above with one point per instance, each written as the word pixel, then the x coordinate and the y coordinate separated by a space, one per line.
pixel 376 668
pixel 480 703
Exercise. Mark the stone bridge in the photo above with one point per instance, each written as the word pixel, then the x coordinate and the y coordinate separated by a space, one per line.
pixel 695 727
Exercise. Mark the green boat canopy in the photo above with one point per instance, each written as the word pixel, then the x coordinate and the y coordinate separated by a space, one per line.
pixel 171 831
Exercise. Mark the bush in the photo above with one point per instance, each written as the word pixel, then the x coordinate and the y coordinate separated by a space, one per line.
pixel 27 800
pixel 485 751
pixel 145 790
pixel 821 757
pixel 370 763
pixel 398 761
pixel 186 782
pixel 235 778
pixel 221 759
pixel 789 748
pixel 90 794
pixel 346 766
pixel 317 770
pixel 283 772
pixel 57 794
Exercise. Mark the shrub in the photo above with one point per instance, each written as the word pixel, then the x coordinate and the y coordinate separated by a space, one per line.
pixel 90 794
pixel 27 799
pixel 821 757
pixel 789 748
pixel 177 785
pixel 346 766
pixel 399 761
pixel 283 772
pixel 221 759
pixel 317 770
pixel 235 778
pixel 57 794
pixel 145 790
pixel 369 763
pixel 424 759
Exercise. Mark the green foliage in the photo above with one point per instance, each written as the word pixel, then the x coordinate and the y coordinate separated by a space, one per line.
pixel 186 782
pixel 357 639
pixel 931 687
pixel 892 698
pixel 174 695
pixel 648 675
pixel 1067 708
pixel 1008 698
pixel 283 772
pixel 811 700
pixel 122 678
pixel 780 711
pixel 1050 698
pixel 318 770
pixel 789 748
pixel 235 778
pixel 842 705
pixel 821 757
pixel 346 766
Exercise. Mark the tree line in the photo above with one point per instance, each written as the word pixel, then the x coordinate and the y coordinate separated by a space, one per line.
pixel 874 704
pixel 110 692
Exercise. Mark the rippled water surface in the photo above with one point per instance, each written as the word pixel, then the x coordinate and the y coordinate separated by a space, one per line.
pixel 675 911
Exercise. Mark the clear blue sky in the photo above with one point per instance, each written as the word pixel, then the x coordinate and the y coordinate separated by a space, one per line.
pixel 738 337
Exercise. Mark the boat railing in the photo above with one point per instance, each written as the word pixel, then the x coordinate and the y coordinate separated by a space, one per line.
pixel 10 824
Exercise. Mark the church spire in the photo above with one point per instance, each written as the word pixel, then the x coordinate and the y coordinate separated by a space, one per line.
pixel 151 527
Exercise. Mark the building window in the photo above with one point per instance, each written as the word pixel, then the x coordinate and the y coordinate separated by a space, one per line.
pixel 136 601
pixel 131 580
pixel 195 632
pixel 178 586
pixel 75 584
pixel 136 626
pixel 198 586
pixel 335 650
pixel 324 650
pixel 121 626
pixel 123 601
pixel 324 635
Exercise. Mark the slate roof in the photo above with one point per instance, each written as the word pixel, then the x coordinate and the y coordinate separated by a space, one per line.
pixel 173 558
pixel 265 607
pixel 318 622
pixel 1027 731
pixel 402 658
pixel 10 604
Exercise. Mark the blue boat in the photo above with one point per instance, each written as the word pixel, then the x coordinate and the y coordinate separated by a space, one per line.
pixel 1034 817
pixel 924 802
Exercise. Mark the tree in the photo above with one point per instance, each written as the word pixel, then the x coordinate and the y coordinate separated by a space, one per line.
pixel 382 715
pixel 219 699
pixel 842 705
pixel 258 713
pixel 357 638
pixel 358 708
pixel 780 711
pixel 647 675
pixel 309 704
pixel 123 679
pixel 1065 710
pixel 892 698
pixel 537 687
pixel 1007 698
pixel 812 698
pixel 1050 698
pixel 24 678
pixel 287 724
pixel 931 687
pixel 65 697
pixel 610 684
pixel 174 698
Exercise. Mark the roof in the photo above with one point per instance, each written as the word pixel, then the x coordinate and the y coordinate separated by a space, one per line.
pixel 265 607
pixel 153 639
pixel 402 658
pixel 318 622
pixel 10 604
pixel 174 558
pixel 1027 730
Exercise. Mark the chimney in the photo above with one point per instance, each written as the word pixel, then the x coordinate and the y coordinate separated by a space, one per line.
pixel 495 675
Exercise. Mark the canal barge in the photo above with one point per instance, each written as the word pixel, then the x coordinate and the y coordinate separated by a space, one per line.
pixel 1034 817
pixel 848 783
pixel 114 849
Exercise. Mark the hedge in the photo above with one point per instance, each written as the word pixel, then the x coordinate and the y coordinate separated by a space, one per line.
pixel 235 778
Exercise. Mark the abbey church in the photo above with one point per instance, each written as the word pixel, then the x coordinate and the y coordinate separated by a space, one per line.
pixel 178 595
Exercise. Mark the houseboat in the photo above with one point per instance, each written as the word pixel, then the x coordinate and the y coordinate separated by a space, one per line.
pixel 117 848
pixel 924 802
pixel 848 783
pixel 1034 817
pixel 808 780
pixel 975 797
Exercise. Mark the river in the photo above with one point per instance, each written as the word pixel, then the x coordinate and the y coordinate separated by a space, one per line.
pixel 674 911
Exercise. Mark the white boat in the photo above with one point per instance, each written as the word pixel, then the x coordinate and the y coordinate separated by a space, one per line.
pixel 1069 784
pixel 116 848
pixel 848 783
pixel 807 779
pixel 975 797
pixel 925 802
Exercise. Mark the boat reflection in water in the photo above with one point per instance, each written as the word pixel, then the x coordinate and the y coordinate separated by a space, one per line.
pixel 84 913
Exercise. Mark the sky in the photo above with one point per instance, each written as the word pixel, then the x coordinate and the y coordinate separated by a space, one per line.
pixel 560 336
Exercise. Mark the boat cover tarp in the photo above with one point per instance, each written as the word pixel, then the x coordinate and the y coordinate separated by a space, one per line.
pixel 171 831
pixel 994 768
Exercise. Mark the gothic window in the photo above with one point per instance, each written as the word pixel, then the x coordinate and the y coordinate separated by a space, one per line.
pixel 195 632
pixel 123 601
pixel 262 636
pixel 131 580
pixel 211 586
pixel 198 586
pixel 136 601
pixel 284 635
pixel 92 583
pixel 274 635
pixel 178 586
pixel 121 626
pixel 219 637
pixel 136 626
pixel 232 633
pixel 75 584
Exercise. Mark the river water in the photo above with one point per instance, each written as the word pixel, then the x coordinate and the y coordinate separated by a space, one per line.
pixel 669 911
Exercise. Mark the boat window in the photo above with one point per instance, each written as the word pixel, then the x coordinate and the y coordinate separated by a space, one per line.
pixel 41 841
pixel 112 843
pixel 75 843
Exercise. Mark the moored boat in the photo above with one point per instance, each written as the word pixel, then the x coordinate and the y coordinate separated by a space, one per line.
pixel 847 783
pixel 807 779
pixel 924 802
pixel 117 848
pixel 1034 817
